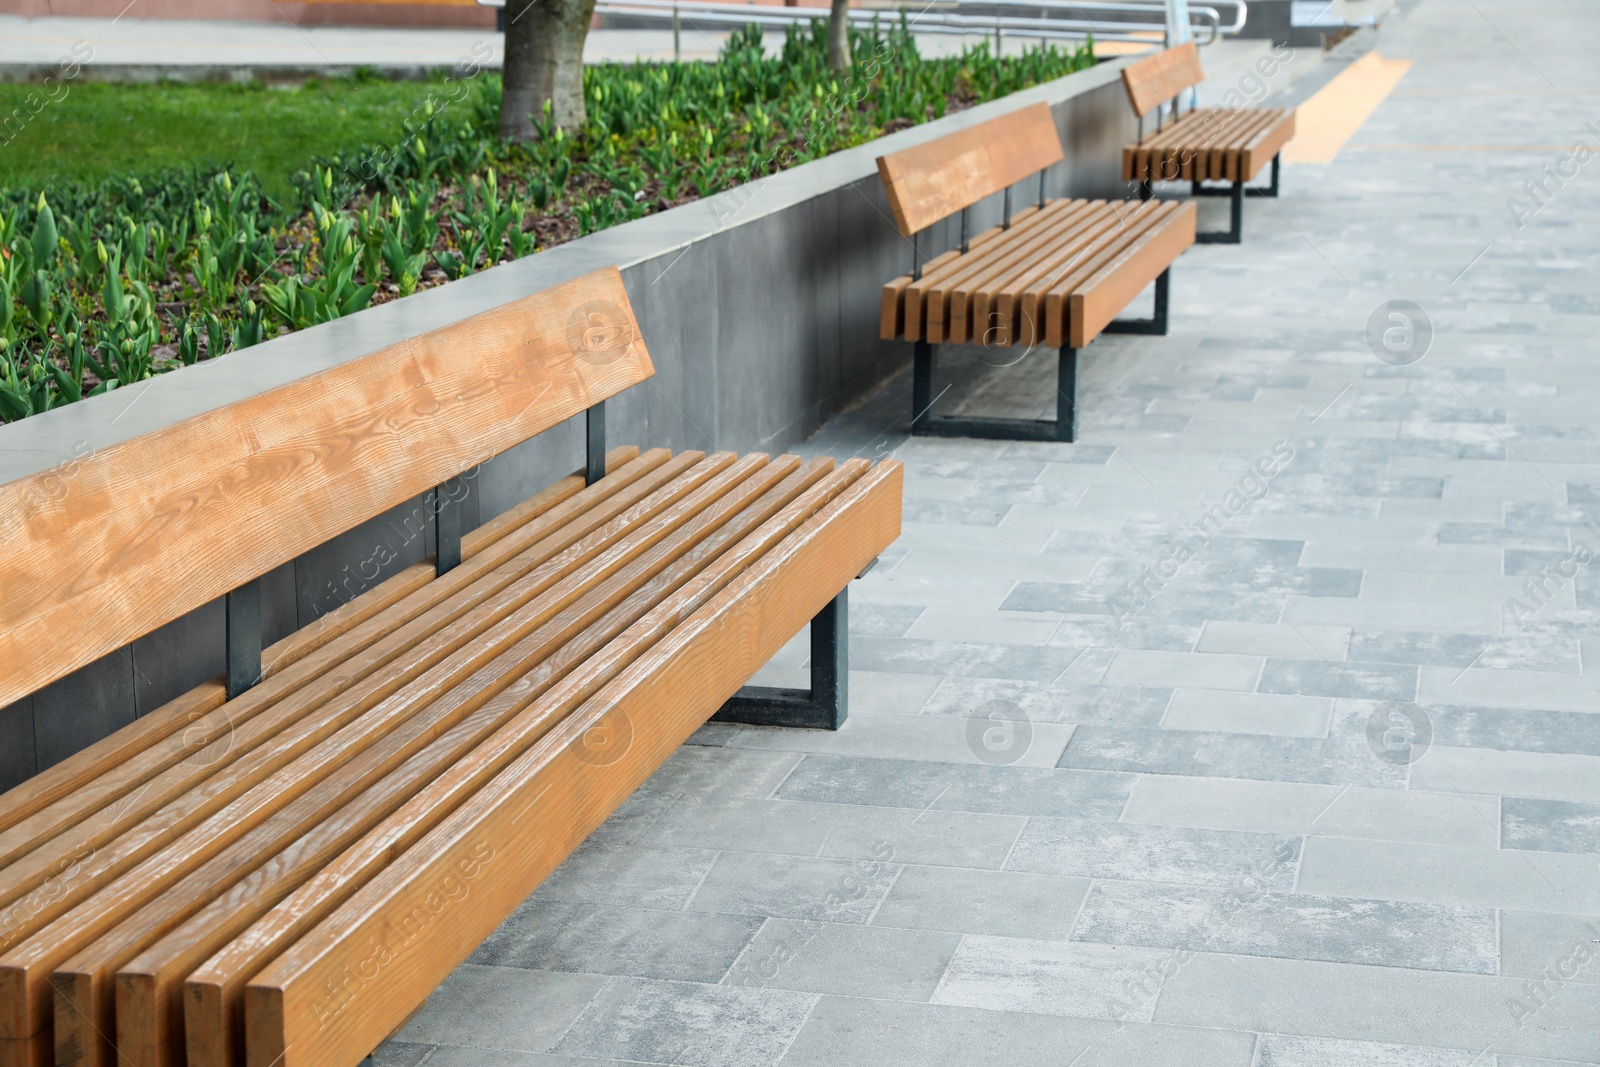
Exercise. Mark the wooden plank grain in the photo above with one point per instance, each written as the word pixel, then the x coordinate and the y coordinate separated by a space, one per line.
pixel 492 849
pixel 43 845
pixel 372 783
pixel 149 1014
pixel 249 791
pixel 92 571
pixel 213 999
pixel 937 178
pixel 1110 289
pixel 1151 82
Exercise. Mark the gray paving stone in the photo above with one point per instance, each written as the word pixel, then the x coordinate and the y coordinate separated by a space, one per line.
pixel 1384 1005
pixel 1139 852
pixel 1550 825
pixel 795 887
pixel 1053 977
pixel 1520 729
pixel 819 957
pixel 605 872
pixel 1443 650
pixel 844 1030
pixel 1288 1050
pixel 1450 874
pixel 1250 713
pixel 1550 947
pixel 1315 677
pixel 1005 903
pixel 969 658
pixel 1342 758
pixel 487 1007
pixel 1058 702
pixel 559 936
pixel 957 787
pixel 1292 926
pixel 687 1023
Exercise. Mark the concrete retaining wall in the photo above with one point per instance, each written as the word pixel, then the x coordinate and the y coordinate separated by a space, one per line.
pixel 760 310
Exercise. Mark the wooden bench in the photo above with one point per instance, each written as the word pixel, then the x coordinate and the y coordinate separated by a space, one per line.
pixel 1203 144
pixel 277 868
pixel 1054 274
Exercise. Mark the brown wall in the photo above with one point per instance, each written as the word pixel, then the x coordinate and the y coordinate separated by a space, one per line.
pixel 300 13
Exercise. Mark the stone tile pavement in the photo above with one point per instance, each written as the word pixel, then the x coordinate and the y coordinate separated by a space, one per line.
pixel 1259 729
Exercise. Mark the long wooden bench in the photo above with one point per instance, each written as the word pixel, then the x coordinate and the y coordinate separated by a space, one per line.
pixel 277 868
pixel 1054 274
pixel 1222 144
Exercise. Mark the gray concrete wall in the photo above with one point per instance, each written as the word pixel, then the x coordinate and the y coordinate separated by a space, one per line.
pixel 760 310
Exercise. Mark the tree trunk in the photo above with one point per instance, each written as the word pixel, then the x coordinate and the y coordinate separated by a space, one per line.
pixel 544 62
pixel 839 36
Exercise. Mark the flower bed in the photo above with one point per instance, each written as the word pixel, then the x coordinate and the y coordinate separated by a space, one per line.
pixel 108 285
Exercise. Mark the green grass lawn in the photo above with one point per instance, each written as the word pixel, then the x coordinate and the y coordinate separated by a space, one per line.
pixel 101 129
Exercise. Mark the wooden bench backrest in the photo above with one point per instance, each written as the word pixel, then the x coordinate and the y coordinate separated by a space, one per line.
pixel 1151 82
pixel 936 179
pixel 107 548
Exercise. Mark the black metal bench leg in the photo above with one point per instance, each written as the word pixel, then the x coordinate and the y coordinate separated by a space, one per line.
pixel 595 443
pixel 1234 234
pixel 1147 190
pixel 447 526
pixel 922 387
pixel 1271 190
pixel 822 707
pixel 242 636
pixel 1067 394
pixel 1157 323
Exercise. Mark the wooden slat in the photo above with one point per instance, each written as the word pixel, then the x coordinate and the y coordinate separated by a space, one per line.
pixel 1266 144
pixel 491 843
pixel 965 314
pixel 1110 289
pixel 99 808
pixel 251 788
pixel 149 1015
pixel 1151 82
pixel 580 618
pixel 1031 310
pixel 923 322
pixel 893 319
pixel 1056 301
pixel 159 525
pixel 938 178
pixel 326 627
pixel 182 715
pixel 213 1004
pixel 354 761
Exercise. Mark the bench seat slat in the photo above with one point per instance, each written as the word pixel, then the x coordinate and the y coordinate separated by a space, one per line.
pixel 1115 284
pixel 893 322
pixel 98 808
pixel 1210 144
pixel 1057 299
pixel 573 631
pixel 1017 289
pixel 185 728
pixel 516 829
pixel 244 792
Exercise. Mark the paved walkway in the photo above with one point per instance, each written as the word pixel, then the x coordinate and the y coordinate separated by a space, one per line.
pixel 1326 794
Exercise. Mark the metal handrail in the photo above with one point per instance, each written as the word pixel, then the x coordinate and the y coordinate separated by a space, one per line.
pixel 945 16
